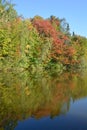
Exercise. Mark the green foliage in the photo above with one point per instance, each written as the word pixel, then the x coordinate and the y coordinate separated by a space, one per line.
pixel 7 11
pixel 37 43
pixel 80 44
pixel 55 68
pixel 64 26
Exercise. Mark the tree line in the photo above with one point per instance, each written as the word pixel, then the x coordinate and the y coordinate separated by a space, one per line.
pixel 37 43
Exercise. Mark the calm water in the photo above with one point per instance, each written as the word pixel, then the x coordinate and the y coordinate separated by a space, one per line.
pixel 43 102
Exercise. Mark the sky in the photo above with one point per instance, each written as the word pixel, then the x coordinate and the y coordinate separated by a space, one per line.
pixel 74 11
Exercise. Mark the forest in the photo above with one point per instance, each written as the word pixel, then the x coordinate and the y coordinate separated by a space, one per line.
pixel 43 73
pixel 38 44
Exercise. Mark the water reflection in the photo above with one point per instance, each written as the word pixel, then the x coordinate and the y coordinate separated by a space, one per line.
pixel 24 99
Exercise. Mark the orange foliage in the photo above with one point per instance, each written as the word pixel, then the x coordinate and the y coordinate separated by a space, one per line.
pixel 61 51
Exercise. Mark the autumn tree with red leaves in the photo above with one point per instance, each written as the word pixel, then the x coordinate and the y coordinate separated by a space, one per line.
pixel 38 43
pixel 61 50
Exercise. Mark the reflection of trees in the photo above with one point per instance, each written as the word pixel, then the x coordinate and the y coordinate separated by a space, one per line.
pixel 22 96
pixel 10 124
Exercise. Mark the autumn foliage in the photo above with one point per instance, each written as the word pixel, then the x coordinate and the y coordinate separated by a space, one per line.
pixel 38 43
pixel 62 50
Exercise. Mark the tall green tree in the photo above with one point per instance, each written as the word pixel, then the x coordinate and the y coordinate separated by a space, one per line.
pixel 7 11
pixel 65 27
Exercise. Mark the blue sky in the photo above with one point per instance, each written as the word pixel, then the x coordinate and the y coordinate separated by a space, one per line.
pixel 74 11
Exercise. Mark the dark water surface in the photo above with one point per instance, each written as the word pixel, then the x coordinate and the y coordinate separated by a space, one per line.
pixel 43 102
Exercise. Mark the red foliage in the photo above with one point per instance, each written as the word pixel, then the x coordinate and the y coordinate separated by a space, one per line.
pixel 18 20
pixel 44 27
pixel 61 51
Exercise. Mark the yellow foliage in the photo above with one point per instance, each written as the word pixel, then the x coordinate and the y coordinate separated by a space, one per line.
pixel 27 91
pixel 27 46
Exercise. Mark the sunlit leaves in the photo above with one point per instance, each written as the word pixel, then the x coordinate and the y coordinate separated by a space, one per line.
pixel 36 42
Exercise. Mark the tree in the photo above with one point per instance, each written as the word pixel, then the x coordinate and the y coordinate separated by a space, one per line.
pixel 7 11
pixel 55 22
pixel 65 27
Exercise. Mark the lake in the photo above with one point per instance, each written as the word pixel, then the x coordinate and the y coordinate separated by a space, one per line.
pixel 43 102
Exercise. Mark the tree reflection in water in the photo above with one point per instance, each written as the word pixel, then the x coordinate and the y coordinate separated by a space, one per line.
pixel 23 96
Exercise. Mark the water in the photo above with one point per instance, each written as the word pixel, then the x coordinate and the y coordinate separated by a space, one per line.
pixel 43 102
